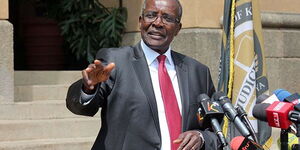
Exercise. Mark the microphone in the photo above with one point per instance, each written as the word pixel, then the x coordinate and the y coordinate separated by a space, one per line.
pixel 276 114
pixel 211 113
pixel 281 94
pixel 267 99
pixel 294 99
pixel 278 95
pixel 261 98
pixel 259 111
pixel 285 96
pixel 243 115
pixel 242 143
pixel 231 113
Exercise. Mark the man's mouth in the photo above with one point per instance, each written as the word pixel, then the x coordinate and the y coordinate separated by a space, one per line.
pixel 156 35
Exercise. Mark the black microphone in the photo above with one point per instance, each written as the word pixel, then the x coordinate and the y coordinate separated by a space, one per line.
pixel 259 111
pixel 261 98
pixel 231 113
pixel 267 99
pixel 211 113
pixel 243 115
pixel 295 99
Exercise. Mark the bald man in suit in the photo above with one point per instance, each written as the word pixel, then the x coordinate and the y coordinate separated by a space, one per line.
pixel 125 83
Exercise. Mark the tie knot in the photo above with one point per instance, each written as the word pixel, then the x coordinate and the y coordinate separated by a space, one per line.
pixel 161 58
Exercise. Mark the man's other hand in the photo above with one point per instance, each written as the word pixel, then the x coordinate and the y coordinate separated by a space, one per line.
pixel 189 140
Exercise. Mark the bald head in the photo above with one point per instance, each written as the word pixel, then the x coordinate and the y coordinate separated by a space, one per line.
pixel 179 8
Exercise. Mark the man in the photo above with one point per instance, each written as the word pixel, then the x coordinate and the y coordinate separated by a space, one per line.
pixel 147 92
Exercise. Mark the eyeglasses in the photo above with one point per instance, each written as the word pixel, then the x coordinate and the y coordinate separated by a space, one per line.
pixel 151 16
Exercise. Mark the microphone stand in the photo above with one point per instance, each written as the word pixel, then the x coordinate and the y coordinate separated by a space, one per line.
pixel 294 116
pixel 284 137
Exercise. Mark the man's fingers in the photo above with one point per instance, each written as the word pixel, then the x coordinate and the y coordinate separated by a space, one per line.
pixel 98 64
pixel 109 68
pixel 96 73
pixel 86 81
pixel 90 68
pixel 196 146
pixel 185 141
pixel 177 141
pixel 87 75
pixel 193 143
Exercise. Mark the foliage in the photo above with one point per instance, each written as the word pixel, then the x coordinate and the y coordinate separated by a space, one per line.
pixel 88 26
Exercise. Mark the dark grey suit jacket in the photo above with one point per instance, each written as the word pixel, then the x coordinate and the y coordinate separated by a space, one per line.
pixel 129 112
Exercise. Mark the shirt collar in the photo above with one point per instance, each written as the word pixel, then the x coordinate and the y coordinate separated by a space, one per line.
pixel 151 55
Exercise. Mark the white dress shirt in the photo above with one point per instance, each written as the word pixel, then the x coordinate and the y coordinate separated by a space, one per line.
pixel 152 62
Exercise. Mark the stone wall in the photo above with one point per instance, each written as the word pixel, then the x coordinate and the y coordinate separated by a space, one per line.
pixel 281 33
pixel 6 62
pixel 201 13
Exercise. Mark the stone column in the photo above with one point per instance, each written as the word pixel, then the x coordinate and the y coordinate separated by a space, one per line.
pixel 6 55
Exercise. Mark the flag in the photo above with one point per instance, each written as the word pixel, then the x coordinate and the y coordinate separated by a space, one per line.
pixel 242 72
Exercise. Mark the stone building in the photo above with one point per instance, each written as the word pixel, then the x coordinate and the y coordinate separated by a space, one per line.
pixel 33 115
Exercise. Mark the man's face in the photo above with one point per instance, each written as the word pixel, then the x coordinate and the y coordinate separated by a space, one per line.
pixel 157 24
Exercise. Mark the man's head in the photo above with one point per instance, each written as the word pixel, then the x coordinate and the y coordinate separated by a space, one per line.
pixel 160 23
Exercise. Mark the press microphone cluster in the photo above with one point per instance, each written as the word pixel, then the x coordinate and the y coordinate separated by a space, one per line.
pixel 280 110
pixel 211 113
pixel 278 113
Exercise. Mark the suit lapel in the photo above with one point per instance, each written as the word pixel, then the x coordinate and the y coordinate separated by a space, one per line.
pixel 182 75
pixel 142 72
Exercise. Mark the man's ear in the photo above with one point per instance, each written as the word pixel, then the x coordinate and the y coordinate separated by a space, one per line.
pixel 140 22
pixel 178 28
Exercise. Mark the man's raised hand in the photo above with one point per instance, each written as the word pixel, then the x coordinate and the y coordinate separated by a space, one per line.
pixel 95 73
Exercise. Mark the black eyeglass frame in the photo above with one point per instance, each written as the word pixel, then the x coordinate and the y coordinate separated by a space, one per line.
pixel 164 21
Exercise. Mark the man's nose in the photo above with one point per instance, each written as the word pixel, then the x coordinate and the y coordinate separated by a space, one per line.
pixel 158 21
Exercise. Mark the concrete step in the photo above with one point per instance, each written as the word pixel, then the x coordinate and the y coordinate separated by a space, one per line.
pixel 40 92
pixel 54 109
pixel 46 77
pixel 50 144
pixel 15 130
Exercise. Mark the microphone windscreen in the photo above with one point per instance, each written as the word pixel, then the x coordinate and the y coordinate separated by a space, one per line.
pixel 202 97
pixel 294 98
pixel 221 97
pixel 271 99
pixel 281 94
pixel 261 98
pixel 217 95
pixel 259 111
pixel 236 142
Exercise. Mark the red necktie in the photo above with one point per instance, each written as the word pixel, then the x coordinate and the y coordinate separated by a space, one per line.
pixel 170 103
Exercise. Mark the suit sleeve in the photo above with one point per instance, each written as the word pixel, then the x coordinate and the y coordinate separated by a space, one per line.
pixel 210 85
pixel 211 141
